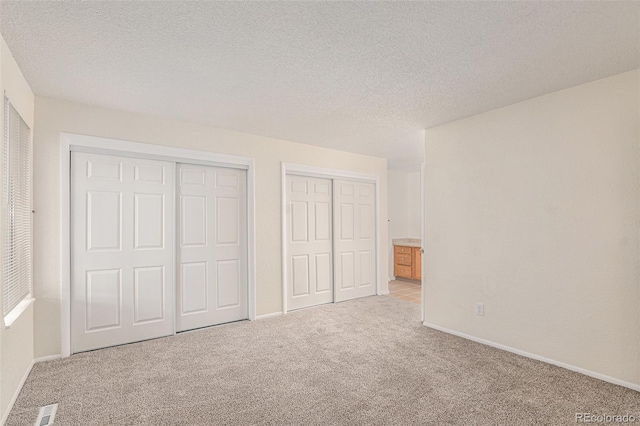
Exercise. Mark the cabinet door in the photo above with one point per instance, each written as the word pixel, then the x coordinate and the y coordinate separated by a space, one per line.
pixel 403 258
pixel 402 250
pixel 417 263
pixel 402 271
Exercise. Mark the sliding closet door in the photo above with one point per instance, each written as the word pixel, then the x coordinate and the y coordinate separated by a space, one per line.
pixel 355 239
pixel 122 217
pixel 309 251
pixel 212 248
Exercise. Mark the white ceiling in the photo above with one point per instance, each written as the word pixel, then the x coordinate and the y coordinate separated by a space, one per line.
pixel 364 77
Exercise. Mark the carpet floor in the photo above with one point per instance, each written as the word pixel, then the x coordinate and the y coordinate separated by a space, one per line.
pixel 363 362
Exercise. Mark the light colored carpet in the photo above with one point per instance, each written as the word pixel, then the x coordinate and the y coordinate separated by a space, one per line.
pixel 367 361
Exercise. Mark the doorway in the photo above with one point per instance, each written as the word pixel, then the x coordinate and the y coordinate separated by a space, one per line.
pixel 406 236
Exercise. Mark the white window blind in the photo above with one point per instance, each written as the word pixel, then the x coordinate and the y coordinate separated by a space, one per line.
pixel 16 209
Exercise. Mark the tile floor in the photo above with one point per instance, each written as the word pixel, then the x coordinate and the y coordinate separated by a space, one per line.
pixel 405 290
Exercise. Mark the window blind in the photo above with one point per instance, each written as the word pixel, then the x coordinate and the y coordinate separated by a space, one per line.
pixel 16 211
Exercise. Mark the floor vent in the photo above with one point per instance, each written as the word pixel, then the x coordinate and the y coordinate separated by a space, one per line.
pixel 47 415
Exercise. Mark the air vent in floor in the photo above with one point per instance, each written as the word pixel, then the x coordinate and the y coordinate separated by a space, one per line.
pixel 47 415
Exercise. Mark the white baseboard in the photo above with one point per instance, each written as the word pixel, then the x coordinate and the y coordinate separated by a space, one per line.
pixel 272 314
pixel 48 358
pixel 383 292
pixel 590 373
pixel 16 393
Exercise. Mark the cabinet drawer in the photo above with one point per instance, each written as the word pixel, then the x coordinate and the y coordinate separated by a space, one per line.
pixel 402 271
pixel 402 250
pixel 403 259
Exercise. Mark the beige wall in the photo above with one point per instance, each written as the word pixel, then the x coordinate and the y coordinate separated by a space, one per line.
pixel 534 210
pixel 397 212
pixel 54 117
pixel 413 205
pixel 16 343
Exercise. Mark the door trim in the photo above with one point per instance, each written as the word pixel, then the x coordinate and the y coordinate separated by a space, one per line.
pixel 422 294
pixel 321 172
pixel 74 142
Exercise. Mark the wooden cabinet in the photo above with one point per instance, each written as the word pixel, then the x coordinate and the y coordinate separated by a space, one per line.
pixel 402 271
pixel 416 263
pixel 407 262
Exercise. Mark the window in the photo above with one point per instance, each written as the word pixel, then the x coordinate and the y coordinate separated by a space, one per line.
pixel 16 210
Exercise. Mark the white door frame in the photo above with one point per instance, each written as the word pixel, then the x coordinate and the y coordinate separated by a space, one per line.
pixel 422 295
pixel 321 172
pixel 73 142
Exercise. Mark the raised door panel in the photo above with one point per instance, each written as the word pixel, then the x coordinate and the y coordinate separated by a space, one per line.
pixel 150 173
pixel 346 221
pixel 298 185
pixel 149 294
pixel 365 222
pixel 227 220
pixel 228 178
pixel 103 300
pixel 366 261
pixel 322 221
pixel 322 187
pixel 229 283
pixel 299 222
pixel 346 188
pixel 347 270
pixel 323 272
pixel 122 250
pixel 300 275
pixel 149 221
pixel 193 220
pixel 194 280
pixel 193 177
pixel 104 220
pixel 103 168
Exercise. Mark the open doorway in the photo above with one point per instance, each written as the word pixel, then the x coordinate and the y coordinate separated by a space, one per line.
pixel 405 235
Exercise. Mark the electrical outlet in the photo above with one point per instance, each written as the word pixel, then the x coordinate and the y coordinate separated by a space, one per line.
pixel 480 309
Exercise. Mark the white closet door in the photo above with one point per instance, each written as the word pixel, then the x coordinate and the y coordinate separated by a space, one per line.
pixel 122 253
pixel 309 251
pixel 212 250
pixel 355 239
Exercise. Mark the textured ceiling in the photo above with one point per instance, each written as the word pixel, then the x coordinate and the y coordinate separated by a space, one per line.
pixel 364 77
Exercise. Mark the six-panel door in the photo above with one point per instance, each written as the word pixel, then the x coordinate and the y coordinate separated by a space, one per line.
pixel 309 245
pixel 355 239
pixel 122 249
pixel 212 246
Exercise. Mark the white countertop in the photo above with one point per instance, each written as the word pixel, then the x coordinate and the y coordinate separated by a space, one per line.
pixel 407 242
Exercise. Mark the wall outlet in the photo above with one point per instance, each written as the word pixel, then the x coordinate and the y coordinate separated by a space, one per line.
pixel 480 309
